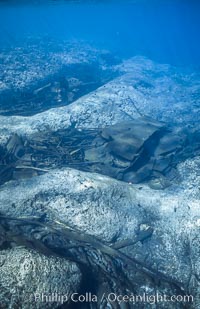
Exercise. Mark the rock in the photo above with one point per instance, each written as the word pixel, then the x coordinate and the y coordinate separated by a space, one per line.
pixel 26 277
pixel 137 150
pixel 117 210
pixel 159 183
pixel 126 139
pixel 141 175
pixel 161 164
pixel 169 144
pixel 15 147
pixel 112 210
pixel 119 100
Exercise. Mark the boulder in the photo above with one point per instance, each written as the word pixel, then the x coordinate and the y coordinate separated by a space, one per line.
pixel 31 280
pixel 118 210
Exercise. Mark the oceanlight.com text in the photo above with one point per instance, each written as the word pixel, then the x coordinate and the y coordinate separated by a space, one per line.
pixel 112 297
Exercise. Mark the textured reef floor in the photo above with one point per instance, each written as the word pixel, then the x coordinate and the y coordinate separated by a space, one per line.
pixel 99 174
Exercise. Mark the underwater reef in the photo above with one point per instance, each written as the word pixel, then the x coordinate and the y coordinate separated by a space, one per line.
pixel 99 178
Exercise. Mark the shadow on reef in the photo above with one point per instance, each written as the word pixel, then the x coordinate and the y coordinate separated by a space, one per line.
pixel 61 88
pixel 141 150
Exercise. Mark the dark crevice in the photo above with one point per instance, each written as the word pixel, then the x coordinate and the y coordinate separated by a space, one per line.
pixel 62 88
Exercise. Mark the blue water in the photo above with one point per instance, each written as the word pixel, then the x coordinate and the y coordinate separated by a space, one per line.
pixel 76 57
pixel 165 31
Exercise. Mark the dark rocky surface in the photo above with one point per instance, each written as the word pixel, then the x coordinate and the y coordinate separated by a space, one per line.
pixel 43 74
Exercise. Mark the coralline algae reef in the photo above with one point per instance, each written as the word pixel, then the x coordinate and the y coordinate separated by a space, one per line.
pixel 78 207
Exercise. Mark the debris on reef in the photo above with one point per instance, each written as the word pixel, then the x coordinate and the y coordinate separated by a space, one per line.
pixel 133 151
pixel 43 236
